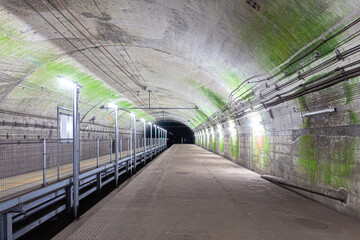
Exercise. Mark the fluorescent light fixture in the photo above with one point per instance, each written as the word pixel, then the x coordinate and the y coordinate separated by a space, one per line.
pixel 66 82
pixel 150 123
pixel 308 114
pixel 113 105
pixel 143 120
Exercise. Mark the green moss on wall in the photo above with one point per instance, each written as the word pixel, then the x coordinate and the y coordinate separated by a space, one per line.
pixel 216 99
pixel 353 117
pixel 273 49
pixel 261 150
pixel 213 143
pixel 308 159
pixel 230 78
pixel 234 146
pixel 337 167
pixel 348 89
pixel 221 144
pixel 302 103
pixel 202 116
pixel 303 108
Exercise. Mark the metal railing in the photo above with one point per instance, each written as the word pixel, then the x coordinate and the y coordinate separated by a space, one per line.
pixel 48 180
pixel 29 164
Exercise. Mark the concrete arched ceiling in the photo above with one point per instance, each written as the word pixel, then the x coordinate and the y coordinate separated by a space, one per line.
pixel 187 53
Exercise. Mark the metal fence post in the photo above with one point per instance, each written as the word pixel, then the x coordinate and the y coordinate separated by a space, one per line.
pixel 137 144
pixel 134 143
pixel 121 147
pixel 144 142
pixel 58 145
pixel 128 153
pixel 44 163
pixel 97 151
pixel 128 146
pixel 76 150
pixel 151 142
pixel 98 176
pixel 111 152
pixel 116 166
pixel 6 231
pixel 69 198
pixel 131 155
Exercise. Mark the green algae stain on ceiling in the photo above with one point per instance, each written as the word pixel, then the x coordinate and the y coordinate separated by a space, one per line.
pixel 13 43
pixel 216 99
pixel 283 27
pixel 37 87
pixel 229 78
pixel 211 96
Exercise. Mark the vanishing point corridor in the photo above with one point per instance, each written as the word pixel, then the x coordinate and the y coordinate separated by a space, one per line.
pixel 190 193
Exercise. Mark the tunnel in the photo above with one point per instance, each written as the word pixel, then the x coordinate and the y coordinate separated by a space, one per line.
pixel 197 119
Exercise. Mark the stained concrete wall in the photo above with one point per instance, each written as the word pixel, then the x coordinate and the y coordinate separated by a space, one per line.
pixel 321 150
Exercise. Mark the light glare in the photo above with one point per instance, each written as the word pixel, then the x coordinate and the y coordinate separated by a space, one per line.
pixel 256 124
pixel 66 82
pixel 112 105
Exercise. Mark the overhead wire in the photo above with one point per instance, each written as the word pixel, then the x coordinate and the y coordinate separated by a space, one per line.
pixel 59 1
pixel 123 69
pixel 259 104
pixel 307 54
pixel 95 46
pixel 123 47
pixel 318 68
pixel 80 51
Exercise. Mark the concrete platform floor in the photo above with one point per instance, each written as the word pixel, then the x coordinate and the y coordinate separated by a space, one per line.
pixel 190 193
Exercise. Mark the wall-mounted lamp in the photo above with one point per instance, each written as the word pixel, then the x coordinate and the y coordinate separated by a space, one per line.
pixel 308 114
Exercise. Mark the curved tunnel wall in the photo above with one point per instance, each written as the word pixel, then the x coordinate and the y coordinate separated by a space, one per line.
pixel 192 52
pixel 311 139
pixel 189 52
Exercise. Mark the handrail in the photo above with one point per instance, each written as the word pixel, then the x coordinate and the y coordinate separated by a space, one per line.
pixel 340 195
pixel 18 208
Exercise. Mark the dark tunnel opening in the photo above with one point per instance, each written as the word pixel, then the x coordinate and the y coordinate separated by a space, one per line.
pixel 178 133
